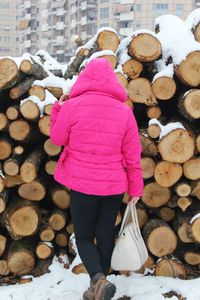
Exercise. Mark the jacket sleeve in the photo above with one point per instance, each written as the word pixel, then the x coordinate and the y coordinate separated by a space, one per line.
pixel 131 155
pixel 59 126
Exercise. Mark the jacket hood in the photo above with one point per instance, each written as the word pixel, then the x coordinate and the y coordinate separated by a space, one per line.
pixel 98 76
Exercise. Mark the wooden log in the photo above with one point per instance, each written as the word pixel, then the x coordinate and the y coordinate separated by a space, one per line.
pixel 165 213
pixel 145 47
pixel 44 250
pixel 198 143
pixel 18 150
pixel 21 219
pixel 30 110
pixel 196 189
pixel 4 270
pixel 191 168
pixel 108 40
pixel 76 62
pixel 57 220
pixel 142 216
pixel 184 203
pixel 122 79
pixel 46 233
pixel 38 91
pixel 195 226
pixel 21 88
pixel 41 267
pixel 70 228
pixel 31 67
pixel 61 239
pixel 192 257
pixel 172 203
pixel 149 264
pixel 148 167
pixel 154 112
pixel 132 68
pixel 189 104
pixel 164 88
pixel 3 122
pixel 50 166
pixel 3 242
pixel 12 164
pixel 4 195
pixel 12 181
pixel 8 73
pixel 60 196
pixel 112 60
pixel 149 147
pixel 155 195
pixel 56 91
pixel 33 191
pixel 21 259
pixel 170 267
pixel 183 189
pixel 30 166
pixel 140 91
pixel 19 130
pixel 159 237
pixel 51 149
pixel 5 147
pixel 177 146
pixel 189 76
pixel 44 125
pixel 154 131
pixel 196 32
pixel 183 229
pixel 79 269
pixel 167 174
pixel 13 112
pixel 47 109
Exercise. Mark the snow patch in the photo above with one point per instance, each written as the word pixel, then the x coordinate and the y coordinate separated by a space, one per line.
pixel 167 128
pixel 197 216
pixel 168 71
pixel 193 19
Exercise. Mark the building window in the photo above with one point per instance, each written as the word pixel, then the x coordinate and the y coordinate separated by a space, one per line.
pixel 125 24
pixel 103 1
pixel 179 9
pixel 104 12
pixel 137 7
pixel 160 8
pixel 138 24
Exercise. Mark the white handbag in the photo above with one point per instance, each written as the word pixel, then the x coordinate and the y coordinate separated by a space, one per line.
pixel 130 252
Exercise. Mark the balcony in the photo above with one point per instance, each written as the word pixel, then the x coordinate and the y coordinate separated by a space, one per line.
pixel 59 25
pixel 27 16
pixel 83 5
pixel 61 12
pixel 59 40
pixel 84 20
pixel 45 27
pixel 127 16
pixel 27 4
pixel 27 44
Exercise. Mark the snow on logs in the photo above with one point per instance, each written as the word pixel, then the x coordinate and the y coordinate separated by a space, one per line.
pixel 166 103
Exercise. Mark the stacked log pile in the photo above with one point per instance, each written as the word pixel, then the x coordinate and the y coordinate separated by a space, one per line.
pixel 162 83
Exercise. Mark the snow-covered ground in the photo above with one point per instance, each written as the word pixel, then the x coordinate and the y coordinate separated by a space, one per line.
pixel 62 284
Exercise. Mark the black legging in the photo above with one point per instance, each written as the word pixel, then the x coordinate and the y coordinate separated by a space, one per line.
pixel 94 217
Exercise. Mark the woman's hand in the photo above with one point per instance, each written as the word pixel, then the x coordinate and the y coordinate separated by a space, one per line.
pixel 62 99
pixel 133 200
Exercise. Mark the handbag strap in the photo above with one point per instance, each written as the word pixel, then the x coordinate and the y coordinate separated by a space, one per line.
pixel 125 219
pixel 135 220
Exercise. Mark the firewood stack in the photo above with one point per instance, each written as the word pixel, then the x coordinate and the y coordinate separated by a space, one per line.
pixel 161 73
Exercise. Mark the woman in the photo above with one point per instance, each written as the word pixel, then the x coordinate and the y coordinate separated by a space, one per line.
pixel 99 163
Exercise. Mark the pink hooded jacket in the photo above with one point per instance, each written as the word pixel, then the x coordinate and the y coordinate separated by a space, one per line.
pixel 101 154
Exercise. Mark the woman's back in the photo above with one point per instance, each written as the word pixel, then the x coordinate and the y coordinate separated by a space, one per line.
pixel 92 126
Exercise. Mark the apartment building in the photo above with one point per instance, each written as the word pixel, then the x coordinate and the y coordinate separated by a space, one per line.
pixel 8 23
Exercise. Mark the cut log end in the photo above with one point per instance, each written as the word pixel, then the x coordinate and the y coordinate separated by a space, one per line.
pixel 160 238
pixel 5 149
pixel 189 105
pixel 51 149
pixel 154 112
pixel 8 73
pixel 145 47
pixel 189 69
pixel 30 110
pixel 132 68
pixel 164 88
pixel 43 250
pixel 19 130
pixel 122 79
pixel 177 146
pixel 44 125
pixel 108 40
pixel 33 191
pixel 148 166
pixel 140 91
pixel 170 268
pixel 37 91
pixel 167 173
pixel 155 195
